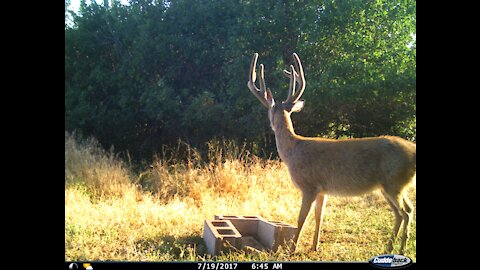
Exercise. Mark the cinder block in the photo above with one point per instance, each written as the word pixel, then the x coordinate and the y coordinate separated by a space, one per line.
pixel 249 244
pixel 246 225
pixel 246 232
pixel 273 234
pixel 267 232
pixel 220 235
pixel 287 234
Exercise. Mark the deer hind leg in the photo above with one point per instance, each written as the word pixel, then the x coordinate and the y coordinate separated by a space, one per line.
pixel 407 219
pixel 321 201
pixel 307 200
pixel 395 203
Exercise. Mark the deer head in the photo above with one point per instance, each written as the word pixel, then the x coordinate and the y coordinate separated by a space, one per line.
pixel 264 95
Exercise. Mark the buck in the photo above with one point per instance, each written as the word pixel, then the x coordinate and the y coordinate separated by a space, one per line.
pixel 351 167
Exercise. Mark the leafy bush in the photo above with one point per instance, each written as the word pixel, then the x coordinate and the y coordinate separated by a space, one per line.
pixel 147 74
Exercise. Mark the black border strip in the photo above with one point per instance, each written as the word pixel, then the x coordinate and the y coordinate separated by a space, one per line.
pixel 226 265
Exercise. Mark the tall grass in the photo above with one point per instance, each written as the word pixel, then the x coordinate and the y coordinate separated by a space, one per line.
pixel 157 214
pixel 87 164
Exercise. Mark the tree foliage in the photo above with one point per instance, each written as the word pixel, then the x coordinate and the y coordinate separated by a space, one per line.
pixel 146 74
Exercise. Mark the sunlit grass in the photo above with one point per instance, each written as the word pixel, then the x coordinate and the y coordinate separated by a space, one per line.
pixel 112 214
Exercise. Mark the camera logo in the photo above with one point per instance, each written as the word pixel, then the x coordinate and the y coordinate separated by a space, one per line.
pixel 388 261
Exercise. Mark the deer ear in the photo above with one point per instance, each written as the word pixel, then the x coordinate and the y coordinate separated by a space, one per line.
pixel 298 106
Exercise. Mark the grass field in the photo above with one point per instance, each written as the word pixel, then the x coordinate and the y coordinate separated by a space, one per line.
pixel 114 214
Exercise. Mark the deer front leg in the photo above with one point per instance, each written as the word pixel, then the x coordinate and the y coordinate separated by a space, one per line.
pixel 321 201
pixel 307 200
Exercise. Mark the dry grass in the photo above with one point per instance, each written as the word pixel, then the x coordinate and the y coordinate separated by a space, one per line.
pixel 86 163
pixel 157 215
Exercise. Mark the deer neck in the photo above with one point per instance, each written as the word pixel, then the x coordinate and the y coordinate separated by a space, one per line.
pixel 285 136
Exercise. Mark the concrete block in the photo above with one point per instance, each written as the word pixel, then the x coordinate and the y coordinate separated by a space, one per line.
pixel 246 225
pixel 220 235
pixel 286 236
pixel 254 233
pixel 273 234
pixel 266 233
pixel 250 244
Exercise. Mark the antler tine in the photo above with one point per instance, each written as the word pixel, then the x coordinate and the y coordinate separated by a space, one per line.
pixel 291 89
pixel 258 93
pixel 263 87
pixel 301 78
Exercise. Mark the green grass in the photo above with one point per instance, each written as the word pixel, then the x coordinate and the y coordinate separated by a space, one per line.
pixel 112 214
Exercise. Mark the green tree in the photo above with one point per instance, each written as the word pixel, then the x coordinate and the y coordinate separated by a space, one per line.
pixel 361 69
pixel 146 74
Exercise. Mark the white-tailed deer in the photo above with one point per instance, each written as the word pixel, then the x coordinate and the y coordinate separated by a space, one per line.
pixel 321 167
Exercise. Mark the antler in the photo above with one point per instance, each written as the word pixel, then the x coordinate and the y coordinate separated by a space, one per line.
pixel 263 94
pixel 294 76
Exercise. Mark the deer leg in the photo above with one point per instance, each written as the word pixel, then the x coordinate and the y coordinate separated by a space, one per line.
pixel 395 205
pixel 407 219
pixel 307 200
pixel 321 201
